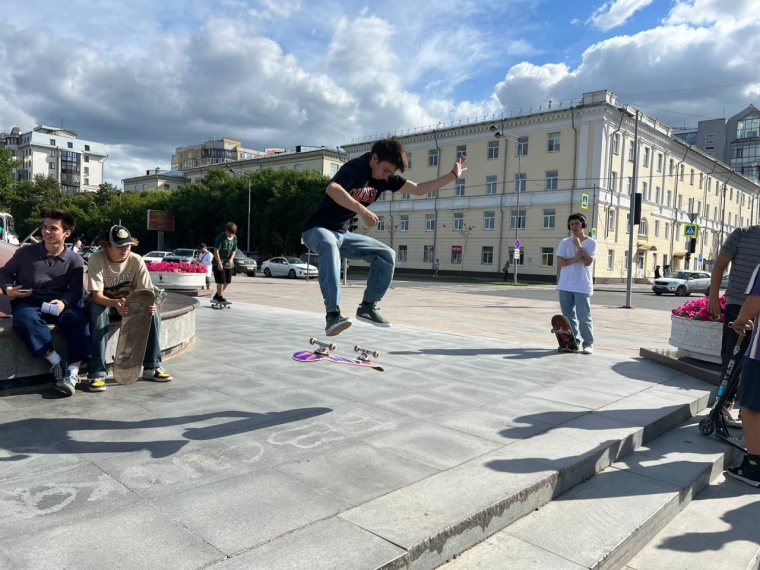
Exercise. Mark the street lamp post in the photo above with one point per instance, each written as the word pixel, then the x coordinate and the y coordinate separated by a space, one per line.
pixel 248 232
pixel 631 207
pixel 518 188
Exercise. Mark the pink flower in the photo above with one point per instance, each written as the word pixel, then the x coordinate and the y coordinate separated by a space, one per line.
pixel 697 310
pixel 168 267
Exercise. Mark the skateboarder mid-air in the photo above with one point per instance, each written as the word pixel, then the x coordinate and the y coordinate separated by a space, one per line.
pixel 114 272
pixel 354 188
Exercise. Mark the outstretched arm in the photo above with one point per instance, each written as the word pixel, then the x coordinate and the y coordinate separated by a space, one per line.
pixel 432 185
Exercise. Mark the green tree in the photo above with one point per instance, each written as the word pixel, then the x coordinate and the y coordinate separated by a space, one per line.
pixel 7 191
pixel 31 196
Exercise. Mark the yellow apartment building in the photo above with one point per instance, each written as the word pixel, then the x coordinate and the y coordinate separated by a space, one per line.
pixel 527 171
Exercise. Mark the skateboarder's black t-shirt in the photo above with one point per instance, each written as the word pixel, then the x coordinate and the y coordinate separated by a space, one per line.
pixel 356 178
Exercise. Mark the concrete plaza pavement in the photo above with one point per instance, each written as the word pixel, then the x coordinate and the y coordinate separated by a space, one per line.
pixel 249 459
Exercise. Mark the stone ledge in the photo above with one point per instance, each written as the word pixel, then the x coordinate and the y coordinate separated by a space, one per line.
pixel 706 371
pixel 19 369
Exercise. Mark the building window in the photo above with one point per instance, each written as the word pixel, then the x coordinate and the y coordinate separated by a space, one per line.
pixel 517 218
pixel 680 173
pixel 456 257
pixel 87 159
pixel 613 182
pixel 547 257
pixel 433 157
pixel 646 156
pixel 701 180
pixel 402 253
pixel 643 227
pixel 646 192
pixel 461 151
pixel 611 220
pixel 667 230
pixel 657 228
pixel 522 146
pixel 521 182
pixel 427 254
pixel 297 167
pixel 659 162
pixel 490 185
pixel 405 196
pixel 52 154
pixel 489 219
pixel 458 222
pixel 493 150
pixel 459 187
pixel 552 180
pixel 669 198
pixel 431 194
pixel 552 142
pixel 486 255
pixel 657 194
pixel 52 142
pixel 691 177
pixel 429 222
pixel 631 148
pixel 87 147
pixel 404 227
pixel 70 145
pixel 616 143
pixel 86 181
pixel 380 224
pixel 52 166
pixel 550 216
pixel 610 259
pixel 408 159
pixel 333 170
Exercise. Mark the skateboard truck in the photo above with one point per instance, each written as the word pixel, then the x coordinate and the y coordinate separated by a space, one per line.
pixel 324 347
pixel 366 353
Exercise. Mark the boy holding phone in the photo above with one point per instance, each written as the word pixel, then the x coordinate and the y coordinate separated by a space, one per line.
pixel 48 274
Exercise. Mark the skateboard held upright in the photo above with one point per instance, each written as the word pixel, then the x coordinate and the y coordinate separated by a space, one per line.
pixel 564 333
pixel 133 337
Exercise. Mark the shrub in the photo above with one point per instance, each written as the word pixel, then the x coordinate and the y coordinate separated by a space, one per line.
pixel 168 267
pixel 697 310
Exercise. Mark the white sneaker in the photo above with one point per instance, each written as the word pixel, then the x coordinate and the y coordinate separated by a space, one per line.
pixel 588 350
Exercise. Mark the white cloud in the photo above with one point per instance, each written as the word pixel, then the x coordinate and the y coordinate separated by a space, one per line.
pixel 616 13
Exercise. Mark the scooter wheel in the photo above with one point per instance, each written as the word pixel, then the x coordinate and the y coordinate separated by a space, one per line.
pixel 706 426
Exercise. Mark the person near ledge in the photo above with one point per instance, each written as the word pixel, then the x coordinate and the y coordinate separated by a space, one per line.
pixel 44 281
pixel 114 272
pixel 749 469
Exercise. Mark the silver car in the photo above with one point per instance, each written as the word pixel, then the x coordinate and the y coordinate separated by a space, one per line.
pixel 287 267
pixel 683 283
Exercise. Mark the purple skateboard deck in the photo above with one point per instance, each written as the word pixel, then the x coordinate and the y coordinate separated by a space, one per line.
pixel 307 356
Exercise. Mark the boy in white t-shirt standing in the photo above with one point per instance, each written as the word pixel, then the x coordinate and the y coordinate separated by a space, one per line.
pixel 207 259
pixel 575 257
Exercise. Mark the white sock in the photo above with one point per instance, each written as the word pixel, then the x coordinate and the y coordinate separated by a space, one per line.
pixel 74 370
pixel 53 358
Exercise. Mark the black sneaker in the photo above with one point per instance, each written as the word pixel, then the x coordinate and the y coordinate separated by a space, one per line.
pixel 368 313
pixel 59 371
pixel 336 323
pixel 748 472
pixel 221 299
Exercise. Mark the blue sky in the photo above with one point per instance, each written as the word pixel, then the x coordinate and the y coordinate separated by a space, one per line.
pixel 146 76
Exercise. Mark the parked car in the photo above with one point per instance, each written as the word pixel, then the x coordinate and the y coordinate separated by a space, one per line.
pixel 155 256
pixel 287 267
pixel 683 283
pixel 182 255
pixel 253 255
pixel 244 264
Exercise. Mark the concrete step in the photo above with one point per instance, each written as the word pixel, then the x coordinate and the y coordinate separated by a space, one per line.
pixel 605 521
pixel 720 528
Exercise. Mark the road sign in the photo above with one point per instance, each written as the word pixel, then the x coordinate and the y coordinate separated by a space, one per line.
pixel 690 230
pixel 593 233
pixel 584 201
pixel 700 258
pixel 517 244
pixel 516 256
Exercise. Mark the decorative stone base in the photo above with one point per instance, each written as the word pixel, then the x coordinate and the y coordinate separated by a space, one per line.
pixel 700 340
pixel 178 281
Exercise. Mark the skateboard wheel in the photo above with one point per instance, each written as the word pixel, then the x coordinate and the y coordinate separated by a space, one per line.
pixel 333 346
pixel 357 348
pixel 312 340
pixel 376 354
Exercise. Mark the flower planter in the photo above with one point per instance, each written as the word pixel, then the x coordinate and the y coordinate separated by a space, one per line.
pixel 178 281
pixel 696 339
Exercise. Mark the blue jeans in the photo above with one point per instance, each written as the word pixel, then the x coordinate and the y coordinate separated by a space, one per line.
pixel 33 329
pixel 330 246
pixel 100 319
pixel 580 303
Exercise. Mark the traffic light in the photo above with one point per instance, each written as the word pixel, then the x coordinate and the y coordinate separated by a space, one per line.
pixel 692 245
pixel 637 208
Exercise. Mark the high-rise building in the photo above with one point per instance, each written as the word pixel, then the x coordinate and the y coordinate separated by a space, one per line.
pixel 76 163
pixel 211 153
pixel 528 171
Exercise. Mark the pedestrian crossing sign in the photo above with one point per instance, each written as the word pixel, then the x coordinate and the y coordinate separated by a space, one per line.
pixel 690 230
pixel 584 201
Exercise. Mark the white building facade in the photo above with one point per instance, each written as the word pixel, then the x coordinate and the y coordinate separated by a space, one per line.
pixel 589 156
pixel 77 164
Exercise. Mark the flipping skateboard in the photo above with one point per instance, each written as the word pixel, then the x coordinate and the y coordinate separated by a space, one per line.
pixel 220 304
pixel 133 337
pixel 564 333
pixel 323 353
